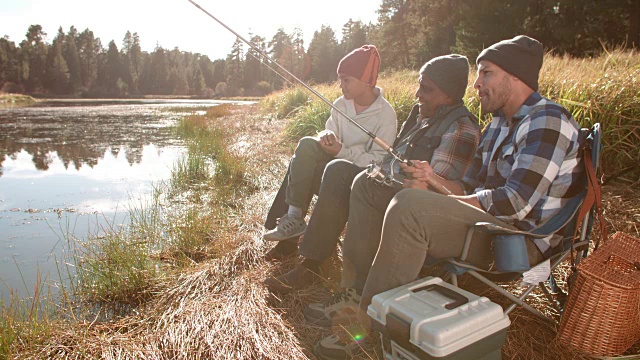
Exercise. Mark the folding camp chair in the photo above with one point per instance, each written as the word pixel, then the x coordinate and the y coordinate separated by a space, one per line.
pixel 573 222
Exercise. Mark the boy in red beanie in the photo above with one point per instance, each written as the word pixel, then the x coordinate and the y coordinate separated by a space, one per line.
pixel 363 102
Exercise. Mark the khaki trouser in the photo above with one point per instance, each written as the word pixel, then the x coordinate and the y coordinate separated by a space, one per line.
pixel 418 223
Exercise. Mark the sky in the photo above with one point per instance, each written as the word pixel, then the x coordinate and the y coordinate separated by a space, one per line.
pixel 178 23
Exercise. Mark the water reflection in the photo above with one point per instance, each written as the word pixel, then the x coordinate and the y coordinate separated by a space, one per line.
pixel 80 133
pixel 75 166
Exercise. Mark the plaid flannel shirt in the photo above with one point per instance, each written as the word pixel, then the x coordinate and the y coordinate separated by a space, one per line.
pixel 524 173
pixel 451 159
pixel 457 145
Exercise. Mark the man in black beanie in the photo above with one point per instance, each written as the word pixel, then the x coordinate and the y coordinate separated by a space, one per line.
pixel 439 129
pixel 526 168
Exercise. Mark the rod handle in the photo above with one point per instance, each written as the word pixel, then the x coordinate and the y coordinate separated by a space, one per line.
pixel 435 185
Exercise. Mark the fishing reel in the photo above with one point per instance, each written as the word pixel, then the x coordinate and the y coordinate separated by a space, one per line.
pixel 385 173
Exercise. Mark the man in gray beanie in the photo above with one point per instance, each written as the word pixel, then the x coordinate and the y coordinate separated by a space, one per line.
pixel 439 130
pixel 525 169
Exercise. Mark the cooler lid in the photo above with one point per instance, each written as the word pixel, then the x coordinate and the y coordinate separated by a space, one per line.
pixel 441 318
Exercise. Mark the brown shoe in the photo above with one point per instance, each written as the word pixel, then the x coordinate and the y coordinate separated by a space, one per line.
pixel 281 253
pixel 298 278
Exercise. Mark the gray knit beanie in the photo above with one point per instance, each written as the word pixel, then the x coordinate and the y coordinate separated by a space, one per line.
pixel 450 73
pixel 520 57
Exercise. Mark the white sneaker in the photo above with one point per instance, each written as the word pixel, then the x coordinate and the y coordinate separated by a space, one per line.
pixel 343 307
pixel 288 227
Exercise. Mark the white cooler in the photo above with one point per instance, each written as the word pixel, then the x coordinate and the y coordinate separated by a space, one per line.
pixel 431 319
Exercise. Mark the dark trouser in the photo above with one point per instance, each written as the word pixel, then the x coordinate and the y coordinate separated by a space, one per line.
pixel 330 212
pixel 418 223
pixel 301 182
pixel 368 203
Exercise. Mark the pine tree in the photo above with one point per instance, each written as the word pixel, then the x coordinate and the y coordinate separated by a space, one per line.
pixel 35 53
pixel 354 35
pixel 88 49
pixel 73 60
pixel 57 71
pixel 235 68
pixel 325 53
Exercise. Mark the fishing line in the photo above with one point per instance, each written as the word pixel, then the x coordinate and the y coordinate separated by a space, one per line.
pixel 436 185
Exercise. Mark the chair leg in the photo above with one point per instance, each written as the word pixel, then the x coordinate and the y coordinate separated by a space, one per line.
pixel 513 298
pixel 454 279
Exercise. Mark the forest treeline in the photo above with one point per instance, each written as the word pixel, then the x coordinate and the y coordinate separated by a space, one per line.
pixel 407 33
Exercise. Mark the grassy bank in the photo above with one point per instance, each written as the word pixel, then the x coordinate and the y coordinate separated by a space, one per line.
pixel 185 280
pixel 116 270
pixel 605 89
pixel 16 100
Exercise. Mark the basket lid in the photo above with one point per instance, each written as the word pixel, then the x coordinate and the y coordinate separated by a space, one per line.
pixel 617 262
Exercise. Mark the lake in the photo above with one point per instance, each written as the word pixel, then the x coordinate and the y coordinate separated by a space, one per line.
pixel 73 166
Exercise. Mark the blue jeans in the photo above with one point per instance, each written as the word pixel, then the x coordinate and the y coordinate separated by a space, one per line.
pixel 331 210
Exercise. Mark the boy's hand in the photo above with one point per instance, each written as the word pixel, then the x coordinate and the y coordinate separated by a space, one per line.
pixel 329 142
pixel 417 174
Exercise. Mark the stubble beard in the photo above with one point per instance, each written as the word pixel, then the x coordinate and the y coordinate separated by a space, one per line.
pixel 499 98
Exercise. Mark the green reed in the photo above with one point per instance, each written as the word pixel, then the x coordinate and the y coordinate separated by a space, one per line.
pixel 117 267
pixel 604 89
pixel 26 319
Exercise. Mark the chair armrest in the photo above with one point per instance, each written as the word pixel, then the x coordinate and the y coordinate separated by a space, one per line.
pixel 493 229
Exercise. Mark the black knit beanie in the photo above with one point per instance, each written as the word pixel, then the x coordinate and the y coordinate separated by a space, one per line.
pixel 450 73
pixel 520 57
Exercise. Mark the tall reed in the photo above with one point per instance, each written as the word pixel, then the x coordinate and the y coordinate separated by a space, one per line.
pixel 114 268
pixel 604 89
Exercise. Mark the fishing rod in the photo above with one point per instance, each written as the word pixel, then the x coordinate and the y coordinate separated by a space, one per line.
pixel 374 168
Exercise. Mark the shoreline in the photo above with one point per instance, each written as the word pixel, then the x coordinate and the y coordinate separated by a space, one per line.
pixel 217 307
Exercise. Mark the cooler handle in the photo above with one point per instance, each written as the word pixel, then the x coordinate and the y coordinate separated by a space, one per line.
pixel 458 298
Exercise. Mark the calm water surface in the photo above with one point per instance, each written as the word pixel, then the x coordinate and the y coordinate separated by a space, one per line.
pixel 68 166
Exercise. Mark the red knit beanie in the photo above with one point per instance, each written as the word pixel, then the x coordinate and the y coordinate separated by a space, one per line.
pixel 362 63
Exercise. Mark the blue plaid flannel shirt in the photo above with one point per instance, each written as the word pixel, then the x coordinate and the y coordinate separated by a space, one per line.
pixel 524 173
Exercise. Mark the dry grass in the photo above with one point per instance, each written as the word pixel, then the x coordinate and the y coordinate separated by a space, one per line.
pixel 219 309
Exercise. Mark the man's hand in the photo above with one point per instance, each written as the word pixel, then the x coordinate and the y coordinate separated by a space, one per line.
pixel 329 142
pixel 417 174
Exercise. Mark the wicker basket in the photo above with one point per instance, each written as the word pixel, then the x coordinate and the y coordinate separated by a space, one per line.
pixel 602 316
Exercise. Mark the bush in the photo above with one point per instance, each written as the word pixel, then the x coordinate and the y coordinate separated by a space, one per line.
pixel 262 88
pixel 12 88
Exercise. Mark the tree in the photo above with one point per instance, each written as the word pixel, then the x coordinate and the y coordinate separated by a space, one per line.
pixel 433 25
pixel 394 33
pixel 354 35
pixel 325 53
pixel 88 49
pixel 159 72
pixel 10 64
pixel 197 84
pixel 70 53
pixel 111 72
pixel 35 53
pixel 219 72
pixel 57 71
pixel 253 63
pixel 279 49
pixel 235 68
pixel 485 22
pixel 177 63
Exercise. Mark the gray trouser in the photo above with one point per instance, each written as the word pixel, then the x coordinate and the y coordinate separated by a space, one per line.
pixel 367 206
pixel 307 156
pixel 420 223
pixel 330 211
